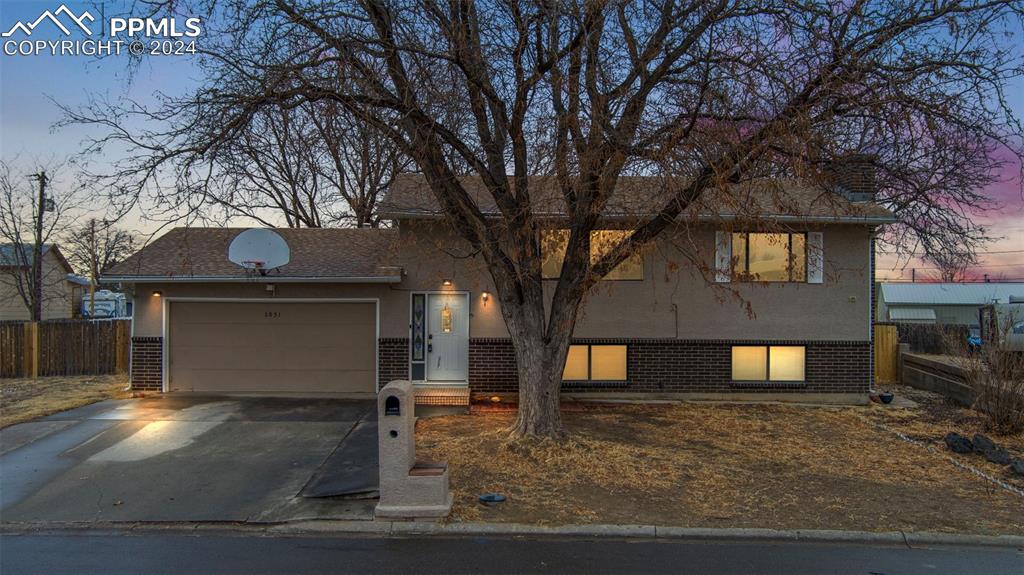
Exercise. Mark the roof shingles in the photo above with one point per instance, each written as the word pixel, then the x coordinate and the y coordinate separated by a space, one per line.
pixel 637 196
pixel 314 253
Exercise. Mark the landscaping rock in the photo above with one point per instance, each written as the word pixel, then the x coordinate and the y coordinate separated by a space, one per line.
pixel 958 443
pixel 998 455
pixel 983 444
pixel 1017 466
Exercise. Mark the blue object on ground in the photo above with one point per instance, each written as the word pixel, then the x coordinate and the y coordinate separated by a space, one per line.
pixel 492 498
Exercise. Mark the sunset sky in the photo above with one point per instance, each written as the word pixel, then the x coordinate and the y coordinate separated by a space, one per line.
pixel 30 85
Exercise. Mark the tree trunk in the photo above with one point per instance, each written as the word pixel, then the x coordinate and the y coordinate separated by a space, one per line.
pixel 540 360
pixel 539 390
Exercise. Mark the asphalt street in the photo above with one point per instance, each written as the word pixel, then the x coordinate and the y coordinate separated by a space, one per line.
pixel 208 552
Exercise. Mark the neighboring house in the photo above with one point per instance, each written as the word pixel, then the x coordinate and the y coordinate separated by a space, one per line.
pixel 356 308
pixel 941 303
pixel 59 289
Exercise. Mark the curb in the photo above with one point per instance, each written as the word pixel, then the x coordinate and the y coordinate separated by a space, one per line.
pixel 408 528
pixel 400 528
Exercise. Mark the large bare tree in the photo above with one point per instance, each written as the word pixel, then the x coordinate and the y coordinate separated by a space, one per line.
pixel 93 248
pixel 359 160
pixel 311 165
pixel 703 94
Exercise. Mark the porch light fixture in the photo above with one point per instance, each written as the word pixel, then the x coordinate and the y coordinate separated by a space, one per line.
pixel 485 296
pixel 157 293
pixel 446 282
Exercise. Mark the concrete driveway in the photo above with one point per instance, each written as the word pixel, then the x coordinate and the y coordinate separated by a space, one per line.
pixel 189 458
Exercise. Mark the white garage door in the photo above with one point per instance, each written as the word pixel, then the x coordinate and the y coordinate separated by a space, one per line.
pixel 272 347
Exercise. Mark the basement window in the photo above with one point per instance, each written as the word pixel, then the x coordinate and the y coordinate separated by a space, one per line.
pixel 785 363
pixel 595 363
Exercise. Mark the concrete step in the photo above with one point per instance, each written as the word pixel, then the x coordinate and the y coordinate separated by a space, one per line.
pixel 443 395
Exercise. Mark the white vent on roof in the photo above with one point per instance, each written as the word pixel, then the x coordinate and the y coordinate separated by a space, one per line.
pixel 259 249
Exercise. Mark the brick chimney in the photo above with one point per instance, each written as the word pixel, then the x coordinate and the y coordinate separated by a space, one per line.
pixel 855 177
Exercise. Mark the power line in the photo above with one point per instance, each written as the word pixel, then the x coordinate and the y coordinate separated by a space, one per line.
pixel 977 267
pixel 993 281
pixel 918 254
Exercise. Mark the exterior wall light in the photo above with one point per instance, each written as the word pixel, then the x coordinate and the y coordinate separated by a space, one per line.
pixel 157 293
pixel 446 283
pixel 485 296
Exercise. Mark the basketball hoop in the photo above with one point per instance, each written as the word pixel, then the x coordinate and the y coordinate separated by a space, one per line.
pixel 258 251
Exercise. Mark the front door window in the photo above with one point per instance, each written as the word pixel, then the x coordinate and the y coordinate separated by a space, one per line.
pixel 446 319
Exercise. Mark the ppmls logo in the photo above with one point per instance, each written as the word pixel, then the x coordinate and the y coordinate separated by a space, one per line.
pixel 150 36
pixel 27 29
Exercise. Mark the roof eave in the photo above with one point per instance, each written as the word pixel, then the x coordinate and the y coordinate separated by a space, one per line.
pixel 866 220
pixel 255 279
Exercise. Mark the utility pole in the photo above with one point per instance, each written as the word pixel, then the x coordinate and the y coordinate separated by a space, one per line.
pixel 913 275
pixel 37 249
pixel 93 272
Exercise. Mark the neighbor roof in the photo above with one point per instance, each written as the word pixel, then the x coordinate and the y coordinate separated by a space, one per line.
pixel 78 280
pixel 949 293
pixel 410 197
pixel 9 255
pixel 201 254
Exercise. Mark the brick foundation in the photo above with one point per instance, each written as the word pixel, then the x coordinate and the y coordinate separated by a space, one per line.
pixel 147 363
pixel 685 366
pixel 492 366
pixel 653 365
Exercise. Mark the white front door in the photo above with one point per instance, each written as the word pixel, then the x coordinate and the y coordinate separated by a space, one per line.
pixel 448 337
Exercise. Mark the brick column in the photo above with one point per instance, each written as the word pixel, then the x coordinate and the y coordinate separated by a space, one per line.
pixel 392 359
pixel 147 363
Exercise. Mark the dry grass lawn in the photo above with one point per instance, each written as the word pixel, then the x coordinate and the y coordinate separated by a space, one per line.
pixel 25 399
pixel 708 465
pixel 936 417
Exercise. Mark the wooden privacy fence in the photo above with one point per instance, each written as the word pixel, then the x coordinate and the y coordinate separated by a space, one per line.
pixel 932 338
pixel 64 347
pixel 12 345
pixel 887 353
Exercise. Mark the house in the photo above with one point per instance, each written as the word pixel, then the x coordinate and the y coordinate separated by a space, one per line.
pixel 941 303
pixel 355 308
pixel 59 284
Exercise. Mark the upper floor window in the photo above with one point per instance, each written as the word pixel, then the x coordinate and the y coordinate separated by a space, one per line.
pixel 769 257
pixel 553 245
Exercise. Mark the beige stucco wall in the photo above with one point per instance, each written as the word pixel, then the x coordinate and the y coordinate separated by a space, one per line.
pixel 57 296
pixel 682 304
pixel 672 302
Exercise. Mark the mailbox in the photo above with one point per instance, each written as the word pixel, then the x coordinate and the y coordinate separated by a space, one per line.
pixel 409 489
